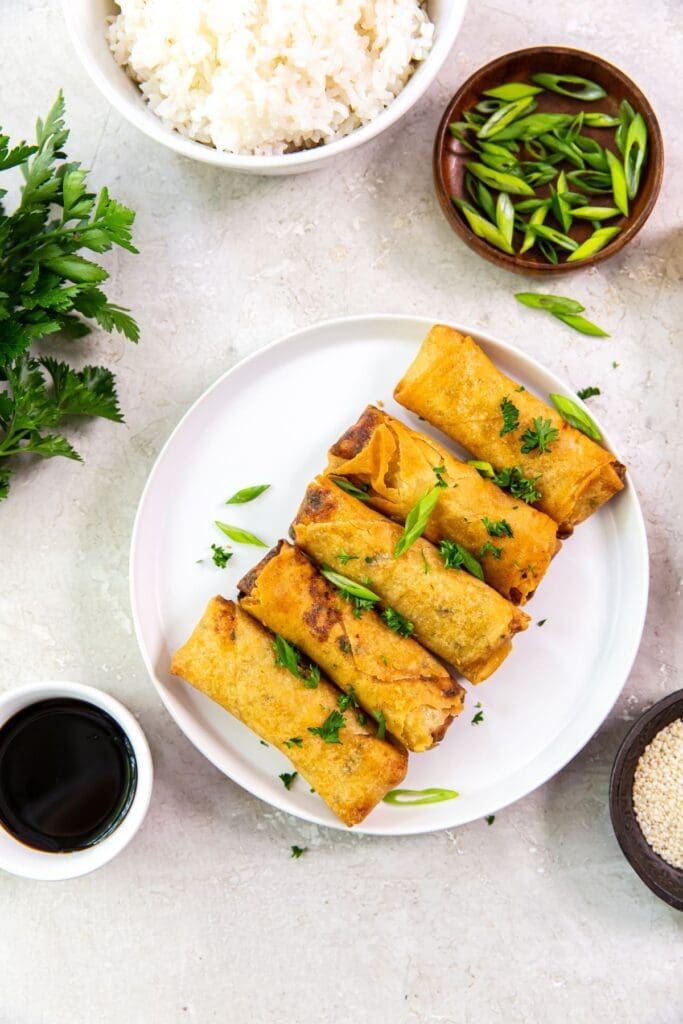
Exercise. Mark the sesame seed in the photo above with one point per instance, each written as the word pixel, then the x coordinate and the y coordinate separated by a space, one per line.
pixel 658 793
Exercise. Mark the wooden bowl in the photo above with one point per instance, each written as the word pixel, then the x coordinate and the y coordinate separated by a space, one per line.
pixel 664 880
pixel 450 156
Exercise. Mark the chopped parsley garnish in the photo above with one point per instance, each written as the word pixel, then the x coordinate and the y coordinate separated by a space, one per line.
pixel 298 850
pixel 221 556
pixel 263 743
pixel 344 645
pixel 490 818
pixel 510 416
pixel 344 700
pixel 358 595
pixel 416 520
pixel 541 622
pixel 500 529
pixel 490 549
pixel 440 470
pixel 344 558
pixel 369 559
pixel 457 557
pixel 478 718
pixel 290 658
pixel 520 388
pixel 540 436
pixel 356 492
pixel 381 724
pixel 398 622
pixel 615 366
pixel 512 479
pixel 288 778
pixel 329 730
pixel 585 393
pixel 293 741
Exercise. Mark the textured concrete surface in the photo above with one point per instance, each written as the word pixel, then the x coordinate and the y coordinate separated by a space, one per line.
pixel 205 917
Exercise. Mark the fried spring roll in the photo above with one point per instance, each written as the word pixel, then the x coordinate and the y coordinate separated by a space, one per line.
pixel 230 658
pixel 398 465
pixel 455 615
pixel 386 672
pixel 453 385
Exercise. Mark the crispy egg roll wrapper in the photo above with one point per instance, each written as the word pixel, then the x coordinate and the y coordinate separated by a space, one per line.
pixel 230 658
pixel 455 615
pixel 453 385
pixel 387 672
pixel 397 465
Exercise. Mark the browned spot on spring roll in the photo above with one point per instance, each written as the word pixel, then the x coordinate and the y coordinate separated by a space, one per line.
pixel 397 466
pixel 455 615
pixel 230 658
pixel 456 387
pixel 382 670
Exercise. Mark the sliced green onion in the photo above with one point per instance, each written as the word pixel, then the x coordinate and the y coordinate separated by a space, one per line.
pixel 590 181
pixel 504 116
pixel 238 535
pixel 619 186
pixel 412 797
pixel 635 151
pixel 575 416
pixel 553 303
pixel 597 241
pixel 532 126
pixel 568 150
pixel 344 583
pixel 554 237
pixel 596 213
pixel 485 468
pixel 499 180
pixel 416 520
pixel 346 485
pixel 599 119
pixel 592 151
pixel 511 91
pixel 548 250
pixel 505 213
pixel 626 115
pixel 481 227
pixel 580 324
pixel 563 84
pixel 536 218
pixel 560 207
pixel 530 205
pixel 247 494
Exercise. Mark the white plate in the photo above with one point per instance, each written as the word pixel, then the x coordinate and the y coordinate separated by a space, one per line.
pixel 270 420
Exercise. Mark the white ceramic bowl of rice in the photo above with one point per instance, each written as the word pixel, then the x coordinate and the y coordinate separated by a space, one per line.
pixel 263 86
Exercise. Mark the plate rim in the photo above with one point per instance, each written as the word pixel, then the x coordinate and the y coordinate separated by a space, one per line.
pixel 298 335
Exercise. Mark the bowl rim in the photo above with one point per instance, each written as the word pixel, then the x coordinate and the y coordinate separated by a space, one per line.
pixel 515 262
pixel 27 862
pixel 662 712
pixel 145 120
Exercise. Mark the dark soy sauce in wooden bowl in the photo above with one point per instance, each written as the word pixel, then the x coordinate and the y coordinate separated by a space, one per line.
pixel 67 775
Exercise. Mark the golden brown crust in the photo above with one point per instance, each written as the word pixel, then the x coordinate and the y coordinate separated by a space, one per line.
pixel 455 615
pixel 387 672
pixel 229 657
pixel 396 466
pixel 456 387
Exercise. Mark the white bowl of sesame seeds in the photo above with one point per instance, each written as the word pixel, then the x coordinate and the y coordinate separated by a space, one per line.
pixel 646 798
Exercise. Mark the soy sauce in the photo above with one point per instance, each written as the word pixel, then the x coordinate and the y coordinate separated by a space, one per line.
pixel 67 775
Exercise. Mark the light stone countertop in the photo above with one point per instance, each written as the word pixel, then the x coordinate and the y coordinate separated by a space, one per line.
pixel 205 917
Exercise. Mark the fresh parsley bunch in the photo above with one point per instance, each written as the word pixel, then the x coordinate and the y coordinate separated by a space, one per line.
pixel 47 287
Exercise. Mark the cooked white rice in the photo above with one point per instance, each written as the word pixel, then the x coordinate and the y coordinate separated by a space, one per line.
pixel 268 76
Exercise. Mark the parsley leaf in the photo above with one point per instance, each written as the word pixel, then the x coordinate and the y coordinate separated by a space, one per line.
pixel 512 479
pixel 46 288
pixel 221 557
pixel 490 549
pixel 457 557
pixel 439 471
pixel 346 699
pixel 478 718
pixel 510 416
pixel 500 529
pixel 490 818
pixel 398 622
pixel 540 436
pixel 288 779
pixel 293 741
pixel 297 851
pixel 289 657
pixel 329 730
pixel 344 558
pixel 585 393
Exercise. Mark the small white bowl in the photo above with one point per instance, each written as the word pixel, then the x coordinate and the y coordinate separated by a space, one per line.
pixel 22 860
pixel 87 24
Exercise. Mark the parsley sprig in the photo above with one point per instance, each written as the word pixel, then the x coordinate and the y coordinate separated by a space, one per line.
pixel 329 730
pixel 541 435
pixel 398 622
pixel 510 416
pixel 46 288
pixel 500 529
pixel 455 556
pixel 511 479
